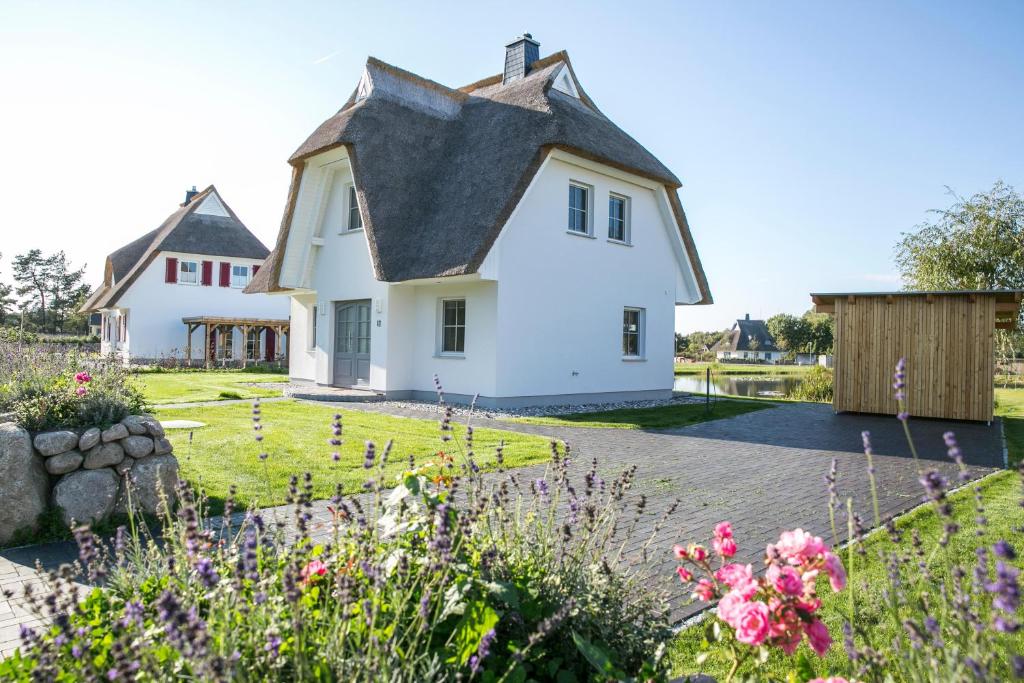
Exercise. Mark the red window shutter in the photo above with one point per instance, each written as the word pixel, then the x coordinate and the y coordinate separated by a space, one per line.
pixel 255 269
pixel 207 273
pixel 171 274
pixel 225 274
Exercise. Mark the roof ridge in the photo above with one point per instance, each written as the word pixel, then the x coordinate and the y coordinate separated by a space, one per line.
pixel 407 75
pixel 560 56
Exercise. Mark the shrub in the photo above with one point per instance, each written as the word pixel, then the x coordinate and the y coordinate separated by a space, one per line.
pixel 47 388
pixel 447 576
pixel 816 386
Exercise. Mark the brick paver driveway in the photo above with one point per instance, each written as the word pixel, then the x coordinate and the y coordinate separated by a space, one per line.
pixel 764 471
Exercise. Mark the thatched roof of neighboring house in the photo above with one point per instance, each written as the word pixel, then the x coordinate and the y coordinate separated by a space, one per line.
pixel 439 170
pixel 187 231
pixel 743 335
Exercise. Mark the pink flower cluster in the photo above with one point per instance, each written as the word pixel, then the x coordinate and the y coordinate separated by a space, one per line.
pixel 81 379
pixel 313 570
pixel 776 609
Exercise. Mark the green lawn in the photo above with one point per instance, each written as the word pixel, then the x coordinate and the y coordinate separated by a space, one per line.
pixel 296 438
pixel 744 369
pixel 192 385
pixel 661 417
pixel 1001 494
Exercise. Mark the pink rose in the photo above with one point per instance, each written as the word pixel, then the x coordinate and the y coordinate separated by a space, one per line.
pixel 726 547
pixel 313 571
pixel 705 590
pixel 836 572
pixel 684 574
pixel 680 552
pixel 723 530
pixel 786 580
pixel 817 635
pixel 798 545
pixel 730 608
pixel 789 641
pixel 739 577
pixel 752 623
pixel 80 391
pixel 83 377
pixel 698 552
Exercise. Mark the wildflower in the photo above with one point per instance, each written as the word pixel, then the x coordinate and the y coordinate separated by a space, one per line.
pixel 482 650
pixel 1005 588
pixel 1004 550
pixel 899 378
pixel 273 644
pixel 313 570
pixel 207 572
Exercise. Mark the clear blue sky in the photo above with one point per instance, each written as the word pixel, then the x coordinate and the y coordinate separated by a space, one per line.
pixel 807 135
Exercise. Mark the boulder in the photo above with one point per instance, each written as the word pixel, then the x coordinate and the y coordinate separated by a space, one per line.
pixel 137 446
pixel 152 480
pixel 153 427
pixel 162 446
pixel 65 462
pixel 86 496
pixel 104 455
pixel 115 433
pixel 124 465
pixel 135 424
pixel 23 482
pixel 52 443
pixel 90 437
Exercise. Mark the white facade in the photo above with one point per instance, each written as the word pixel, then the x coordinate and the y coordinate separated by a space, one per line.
pixel 771 357
pixel 545 316
pixel 146 321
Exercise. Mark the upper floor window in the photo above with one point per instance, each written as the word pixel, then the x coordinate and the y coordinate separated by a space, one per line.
pixel 239 276
pixel 618 218
pixel 188 272
pixel 355 221
pixel 579 198
pixel 453 326
pixel 632 332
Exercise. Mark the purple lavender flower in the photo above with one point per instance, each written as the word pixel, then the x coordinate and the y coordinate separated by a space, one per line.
pixel 369 455
pixel 207 572
pixel 1004 550
pixel 482 650
pixel 273 644
pixel 1017 664
pixel 1005 588
pixel 899 379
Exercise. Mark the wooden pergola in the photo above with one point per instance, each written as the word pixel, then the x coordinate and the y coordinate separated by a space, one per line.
pixel 212 325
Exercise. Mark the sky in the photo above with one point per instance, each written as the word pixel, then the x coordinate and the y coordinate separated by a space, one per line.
pixel 808 136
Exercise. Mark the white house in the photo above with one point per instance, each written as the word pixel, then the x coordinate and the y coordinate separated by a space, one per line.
pixel 748 340
pixel 195 264
pixel 505 236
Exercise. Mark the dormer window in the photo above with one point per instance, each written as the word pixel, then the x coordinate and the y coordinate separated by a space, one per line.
pixel 579 205
pixel 355 220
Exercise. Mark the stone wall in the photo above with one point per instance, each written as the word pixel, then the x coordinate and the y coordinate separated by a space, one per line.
pixel 86 474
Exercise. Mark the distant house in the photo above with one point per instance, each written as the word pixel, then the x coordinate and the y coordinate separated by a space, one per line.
pixel 748 340
pixel 195 265
pixel 505 236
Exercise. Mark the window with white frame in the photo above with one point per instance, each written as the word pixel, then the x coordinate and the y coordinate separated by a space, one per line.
pixel 579 208
pixel 453 326
pixel 188 272
pixel 618 218
pixel 225 344
pixel 632 332
pixel 252 344
pixel 355 220
pixel 239 276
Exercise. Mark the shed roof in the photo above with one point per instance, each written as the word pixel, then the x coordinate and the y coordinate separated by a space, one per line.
pixel 187 231
pixel 1008 301
pixel 482 144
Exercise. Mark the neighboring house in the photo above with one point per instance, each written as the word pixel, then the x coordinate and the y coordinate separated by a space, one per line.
pixel 748 340
pixel 505 236
pixel 195 264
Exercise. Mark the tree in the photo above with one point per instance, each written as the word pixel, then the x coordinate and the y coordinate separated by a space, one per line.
pixel 977 243
pixel 822 330
pixel 31 274
pixel 7 301
pixel 790 332
pixel 66 290
pixel 52 286
pixel 681 343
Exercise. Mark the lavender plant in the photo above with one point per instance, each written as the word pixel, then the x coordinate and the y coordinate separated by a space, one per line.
pixel 444 575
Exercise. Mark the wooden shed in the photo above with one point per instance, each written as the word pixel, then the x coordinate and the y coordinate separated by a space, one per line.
pixel 948 339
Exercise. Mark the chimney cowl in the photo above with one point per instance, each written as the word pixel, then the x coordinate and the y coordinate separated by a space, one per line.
pixel 520 54
pixel 748 316
pixel 189 194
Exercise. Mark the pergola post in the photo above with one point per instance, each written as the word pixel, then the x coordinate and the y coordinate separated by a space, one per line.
pixel 206 345
pixel 245 345
pixel 188 343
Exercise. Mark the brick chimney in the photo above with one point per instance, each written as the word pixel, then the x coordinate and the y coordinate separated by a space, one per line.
pixel 748 316
pixel 520 55
pixel 189 194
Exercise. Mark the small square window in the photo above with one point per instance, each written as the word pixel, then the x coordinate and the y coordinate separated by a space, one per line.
pixel 239 276
pixel 578 209
pixel 618 218
pixel 355 220
pixel 632 332
pixel 188 272
pixel 453 326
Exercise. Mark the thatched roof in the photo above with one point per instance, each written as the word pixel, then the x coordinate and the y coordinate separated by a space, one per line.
pixel 743 335
pixel 187 231
pixel 409 138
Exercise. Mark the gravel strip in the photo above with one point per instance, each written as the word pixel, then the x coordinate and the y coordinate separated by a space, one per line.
pixel 543 411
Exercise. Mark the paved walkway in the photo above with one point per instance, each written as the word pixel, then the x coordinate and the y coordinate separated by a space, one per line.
pixel 764 471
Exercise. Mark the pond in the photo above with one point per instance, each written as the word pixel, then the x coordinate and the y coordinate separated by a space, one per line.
pixel 760 386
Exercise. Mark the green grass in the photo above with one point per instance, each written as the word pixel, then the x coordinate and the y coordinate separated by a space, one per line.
pixel 1001 494
pixel 187 386
pixel 1010 406
pixel 295 435
pixel 744 369
pixel 661 417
